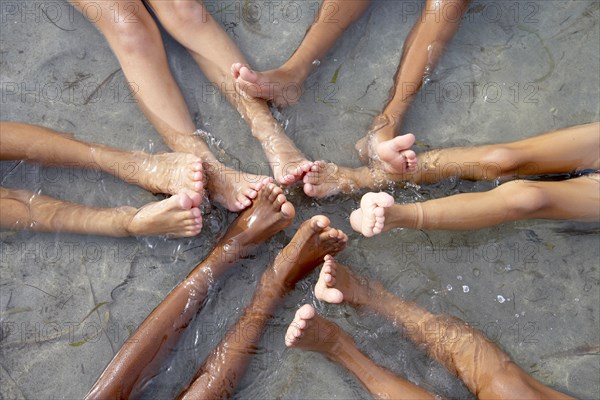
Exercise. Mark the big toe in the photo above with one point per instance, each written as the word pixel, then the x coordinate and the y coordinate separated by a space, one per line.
pixel 247 74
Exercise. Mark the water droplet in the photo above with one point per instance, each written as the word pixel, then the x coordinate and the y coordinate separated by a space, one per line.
pixel 466 289
pixel 476 272
pixel 517 315
pixel 275 21
pixel 501 299
pixel 459 277
pixel 316 63
pixel 449 287
pixel 576 298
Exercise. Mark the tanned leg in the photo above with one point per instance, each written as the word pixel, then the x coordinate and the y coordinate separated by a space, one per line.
pixel 423 48
pixel 283 85
pixel 484 368
pixel 175 217
pixel 309 331
pixel 214 51
pixel 168 173
pixel 135 40
pixel 225 366
pixel 562 151
pixel 140 356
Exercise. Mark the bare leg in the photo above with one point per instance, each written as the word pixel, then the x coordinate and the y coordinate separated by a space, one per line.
pixel 218 376
pixel 326 179
pixel 484 368
pixel 176 216
pixel 214 51
pixel 423 48
pixel 309 331
pixel 284 85
pixel 136 42
pixel 512 201
pixel 159 173
pixel 141 355
pixel 561 151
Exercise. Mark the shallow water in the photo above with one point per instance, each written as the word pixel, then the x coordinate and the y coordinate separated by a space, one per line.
pixel 67 302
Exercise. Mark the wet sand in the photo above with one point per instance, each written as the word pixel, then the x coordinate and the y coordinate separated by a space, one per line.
pixel 514 69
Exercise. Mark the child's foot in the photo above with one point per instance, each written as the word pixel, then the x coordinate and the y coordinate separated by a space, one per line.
pixel 176 216
pixel 395 155
pixel 282 88
pixel 327 179
pixel 168 173
pixel 270 213
pixel 288 163
pixel 313 240
pixel 369 219
pixel 309 331
pixel 392 155
pixel 337 284
pixel 233 189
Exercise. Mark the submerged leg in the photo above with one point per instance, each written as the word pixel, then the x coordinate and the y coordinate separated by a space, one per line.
pixel 176 216
pixel 225 366
pixel 309 331
pixel 423 48
pixel 512 201
pixel 140 356
pixel 168 173
pixel 484 368
pixel 135 40
pixel 284 85
pixel 214 51
pixel 562 151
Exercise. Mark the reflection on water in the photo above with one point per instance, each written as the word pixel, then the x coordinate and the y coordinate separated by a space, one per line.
pixel 515 69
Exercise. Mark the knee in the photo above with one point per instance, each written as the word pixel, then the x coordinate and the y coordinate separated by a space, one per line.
pixel 524 198
pixel 136 34
pixel 499 161
pixel 188 12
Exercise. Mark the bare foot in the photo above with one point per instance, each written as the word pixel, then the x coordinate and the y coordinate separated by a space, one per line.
pixel 313 240
pixel 233 189
pixel 309 331
pixel 279 86
pixel 175 217
pixel 327 179
pixel 384 128
pixel 395 155
pixel 369 219
pixel 288 163
pixel 270 213
pixel 337 284
pixel 169 173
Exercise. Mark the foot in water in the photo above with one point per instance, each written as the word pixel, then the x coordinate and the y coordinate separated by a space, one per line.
pixel 233 189
pixel 270 213
pixel 177 216
pixel 281 87
pixel 327 179
pixel 309 331
pixel 392 155
pixel 313 240
pixel 369 219
pixel 169 173
pixel 338 284
pixel 288 163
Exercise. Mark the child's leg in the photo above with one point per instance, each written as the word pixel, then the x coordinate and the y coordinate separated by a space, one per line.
pixel 283 85
pixel 484 368
pixel 141 355
pixel 422 49
pixel 135 40
pixel 22 209
pixel 214 51
pixel 309 331
pixel 562 151
pixel 225 366
pixel 161 173
pixel 577 199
